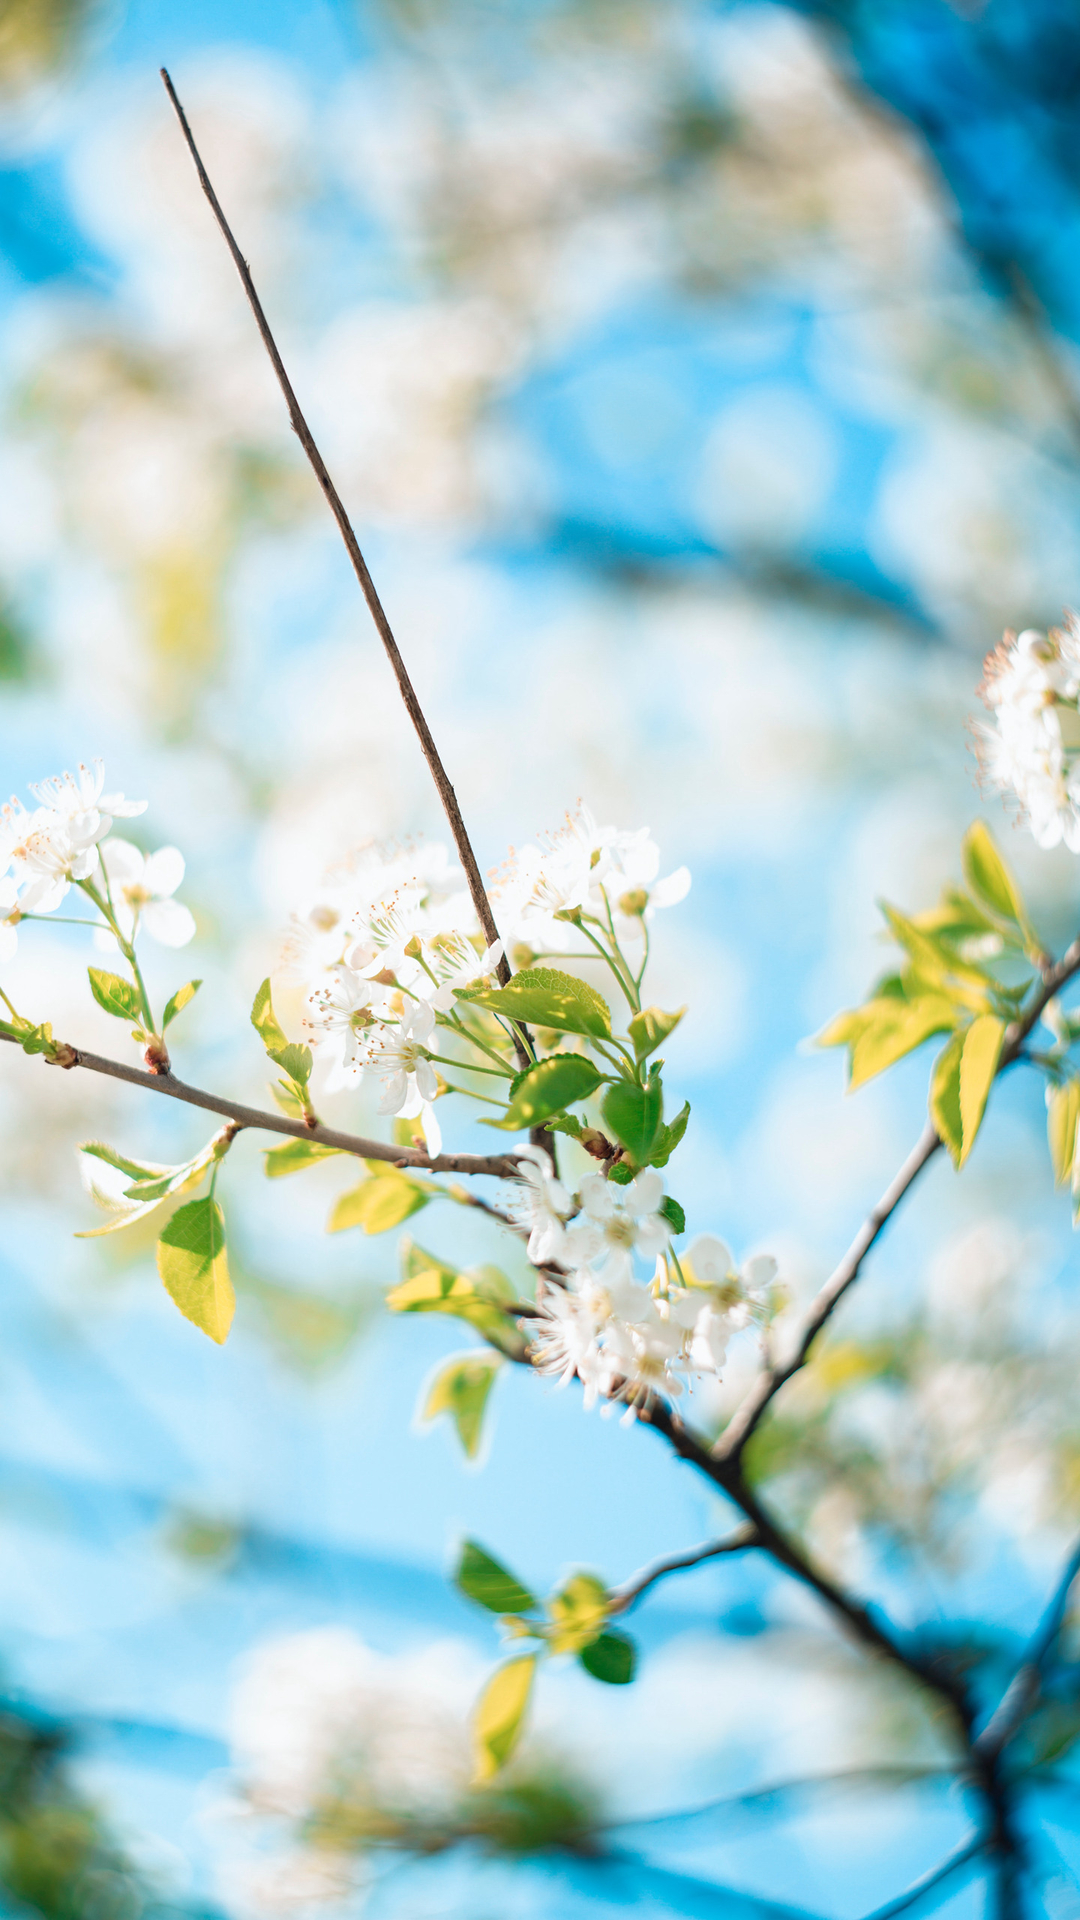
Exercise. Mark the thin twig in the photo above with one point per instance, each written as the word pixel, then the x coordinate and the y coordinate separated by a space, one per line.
pixel 500 1165
pixel 621 1598
pixel 1023 1690
pixel 969 1851
pixel 768 1383
pixel 352 545
pixel 760 1796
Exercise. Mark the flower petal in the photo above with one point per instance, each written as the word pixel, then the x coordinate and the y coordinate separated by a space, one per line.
pixel 123 862
pixel 168 922
pixel 163 872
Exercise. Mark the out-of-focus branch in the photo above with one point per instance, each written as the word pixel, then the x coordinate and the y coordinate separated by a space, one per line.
pixel 1023 1690
pixel 622 1598
pixel 1053 976
pixel 925 1884
pixel 352 545
pixel 499 1165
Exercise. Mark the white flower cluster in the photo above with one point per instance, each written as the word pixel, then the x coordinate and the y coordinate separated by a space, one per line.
pixel 1032 687
pixel 584 868
pixel 63 841
pixel 381 949
pixel 621 1338
pixel 392 933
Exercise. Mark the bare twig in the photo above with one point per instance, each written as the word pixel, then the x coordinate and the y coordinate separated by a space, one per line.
pixel 1023 1691
pixel 869 1777
pixel 621 1598
pixel 969 1851
pixel 744 1421
pixel 352 545
pixel 499 1165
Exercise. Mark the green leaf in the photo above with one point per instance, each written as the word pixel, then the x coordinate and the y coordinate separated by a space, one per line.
pixel 545 997
pixel 988 876
pixel 265 1022
pixel 612 1657
pixel 484 1579
pixel 135 1169
pixel 650 1028
pixel 546 1088
pixel 578 1612
pixel 978 1065
pixel 634 1114
pixel 937 964
pixel 1062 1114
pixel 383 1201
pixel 962 1078
pixel 430 1286
pixel 891 1028
pixel 292 1156
pixel 285 1095
pixel 117 996
pixel 295 1061
pixel 500 1714
pixel 193 1267
pixel 565 1123
pixel 461 1389
pixel 672 1213
pixel 181 998
pixel 945 1096
pixel 668 1138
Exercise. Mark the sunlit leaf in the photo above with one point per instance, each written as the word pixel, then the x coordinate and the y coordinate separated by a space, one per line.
pixel 650 1028
pixel 194 1269
pixel 668 1138
pixel 891 1028
pixel 382 1201
pixel 945 1097
pixel 500 1714
pixel 1062 1114
pixel 989 877
pixel 181 999
pixel 430 1286
pixel 978 1065
pixel 546 997
pixel 265 1022
pixel 578 1612
pixel 117 996
pixel 546 1088
pixel 461 1389
pixel 292 1156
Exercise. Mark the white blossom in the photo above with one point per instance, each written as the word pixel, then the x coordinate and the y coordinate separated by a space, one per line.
pixel 540 1205
pixel 1032 687
pixel 456 964
pixel 588 868
pixel 142 886
pixel 619 1222
pixel 9 919
pixel 341 1007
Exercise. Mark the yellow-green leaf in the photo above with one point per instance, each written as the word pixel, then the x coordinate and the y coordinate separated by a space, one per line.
pixel 546 1088
pixel 117 996
pixel 989 877
pixel 430 1286
pixel 294 1155
pixel 500 1715
pixel 265 1021
pixel 547 997
pixel 1062 1114
pixel 650 1028
pixel 383 1201
pixel 194 1270
pixel 461 1389
pixel 891 1028
pixel 578 1612
pixel 181 999
pixel 978 1065
pixel 842 1029
pixel 945 1096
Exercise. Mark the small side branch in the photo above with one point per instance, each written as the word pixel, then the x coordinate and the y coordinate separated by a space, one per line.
pixel 501 1166
pixel 1023 1690
pixel 624 1597
pixel 352 546
pixel 910 1897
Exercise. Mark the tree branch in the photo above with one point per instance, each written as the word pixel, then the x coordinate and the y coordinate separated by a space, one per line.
pixel 352 546
pixel 624 1597
pixel 500 1165
pixel 969 1851
pixel 747 1415
pixel 1023 1690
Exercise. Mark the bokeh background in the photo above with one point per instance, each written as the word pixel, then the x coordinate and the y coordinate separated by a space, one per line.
pixel 703 381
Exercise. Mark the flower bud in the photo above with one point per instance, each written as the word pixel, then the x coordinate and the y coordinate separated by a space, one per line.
pixel 413 948
pixel 634 902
